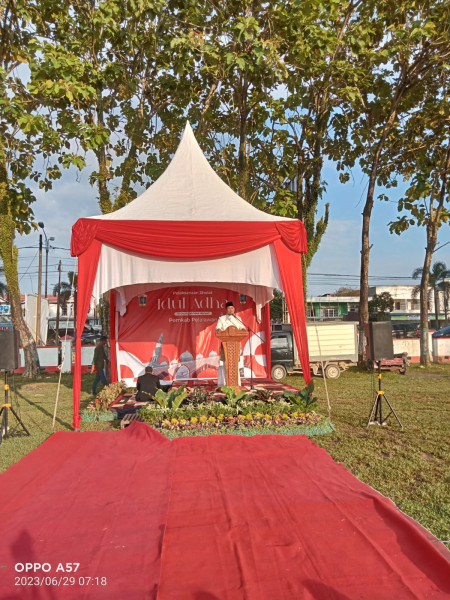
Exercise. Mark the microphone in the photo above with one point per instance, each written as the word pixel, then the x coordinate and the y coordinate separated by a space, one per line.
pixel 240 320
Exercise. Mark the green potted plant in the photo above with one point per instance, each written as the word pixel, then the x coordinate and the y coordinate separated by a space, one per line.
pixel 100 409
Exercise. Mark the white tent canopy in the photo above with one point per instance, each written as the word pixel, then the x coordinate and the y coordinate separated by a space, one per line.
pixel 188 190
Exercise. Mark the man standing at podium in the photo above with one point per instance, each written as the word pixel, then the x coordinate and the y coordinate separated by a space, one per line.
pixel 228 319
pixel 223 323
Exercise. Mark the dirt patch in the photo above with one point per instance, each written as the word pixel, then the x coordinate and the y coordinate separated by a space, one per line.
pixel 34 387
pixel 426 456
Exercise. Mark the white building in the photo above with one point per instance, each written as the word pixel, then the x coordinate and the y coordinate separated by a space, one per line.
pixel 407 302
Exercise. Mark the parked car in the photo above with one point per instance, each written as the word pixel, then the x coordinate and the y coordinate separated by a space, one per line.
pixel 5 322
pixel 90 336
pixel 405 330
pixel 443 332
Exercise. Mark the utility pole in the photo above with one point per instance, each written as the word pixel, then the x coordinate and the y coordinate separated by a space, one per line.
pixel 444 286
pixel 58 303
pixel 38 302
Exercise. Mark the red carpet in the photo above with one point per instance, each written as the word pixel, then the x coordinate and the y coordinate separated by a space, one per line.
pixel 217 518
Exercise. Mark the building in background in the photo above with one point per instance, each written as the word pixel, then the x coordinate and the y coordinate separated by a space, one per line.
pixel 405 315
pixel 331 307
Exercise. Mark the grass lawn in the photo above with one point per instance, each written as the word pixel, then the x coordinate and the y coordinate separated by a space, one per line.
pixel 409 465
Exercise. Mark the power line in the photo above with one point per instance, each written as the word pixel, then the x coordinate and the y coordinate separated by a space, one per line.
pixel 32 260
pixel 357 276
pixel 37 246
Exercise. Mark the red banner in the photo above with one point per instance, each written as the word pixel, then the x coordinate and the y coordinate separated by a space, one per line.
pixel 173 330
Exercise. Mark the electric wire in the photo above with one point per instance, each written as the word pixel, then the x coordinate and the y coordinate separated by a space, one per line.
pixel 32 260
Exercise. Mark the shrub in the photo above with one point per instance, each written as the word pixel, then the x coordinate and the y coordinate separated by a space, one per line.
pixel 107 396
pixel 172 399
pixel 232 397
pixel 199 395
pixel 303 399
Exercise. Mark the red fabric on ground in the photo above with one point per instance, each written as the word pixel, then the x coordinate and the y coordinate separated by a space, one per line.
pixel 99 499
pixel 264 517
pixel 275 517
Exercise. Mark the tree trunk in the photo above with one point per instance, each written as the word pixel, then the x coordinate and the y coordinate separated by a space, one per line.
pixel 436 305
pixel 8 253
pixel 433 224
pixel 242 159
pixel 104 314
pixel 364 283
pixel 365 244
pixel 104 196
pixel 424 350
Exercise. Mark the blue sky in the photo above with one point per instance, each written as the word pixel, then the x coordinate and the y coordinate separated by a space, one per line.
pixel 336 264
pixel 392 256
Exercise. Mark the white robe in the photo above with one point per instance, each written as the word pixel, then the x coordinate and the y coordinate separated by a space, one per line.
pixel 226 321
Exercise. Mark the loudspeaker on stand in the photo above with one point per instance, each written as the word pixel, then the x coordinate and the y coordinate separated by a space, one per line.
pixel 9 350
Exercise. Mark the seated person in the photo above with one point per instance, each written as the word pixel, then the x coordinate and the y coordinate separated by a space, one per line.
pixel 147 385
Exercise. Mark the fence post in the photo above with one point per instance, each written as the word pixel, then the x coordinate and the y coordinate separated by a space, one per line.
pixel 66 347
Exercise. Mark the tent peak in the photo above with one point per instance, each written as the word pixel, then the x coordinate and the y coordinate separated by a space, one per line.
pixel 190 190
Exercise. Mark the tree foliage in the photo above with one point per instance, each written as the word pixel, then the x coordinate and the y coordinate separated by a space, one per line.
pixel 275 92
pixel 403 58
pixel 35 135
pixel 381 304
pixel 276 306
pixel 436 282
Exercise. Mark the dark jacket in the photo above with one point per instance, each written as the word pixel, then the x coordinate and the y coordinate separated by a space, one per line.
pixel 99 356
pixel 146 385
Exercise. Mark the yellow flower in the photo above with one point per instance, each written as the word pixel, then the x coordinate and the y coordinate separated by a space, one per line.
pixel 241 417
pixel 174 421
pixel 295 415
pixel 194 420
pixel 203 419
pixel 212 419
pixel 220 417
pixel 183 421
pixel 258 415
pixel 284 416
pixel 249 417
pixel 266 416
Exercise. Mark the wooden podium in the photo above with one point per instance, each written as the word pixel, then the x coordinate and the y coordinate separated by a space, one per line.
pixel 231 339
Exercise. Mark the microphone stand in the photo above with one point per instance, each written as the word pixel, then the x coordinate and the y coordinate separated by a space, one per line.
pixel 249 329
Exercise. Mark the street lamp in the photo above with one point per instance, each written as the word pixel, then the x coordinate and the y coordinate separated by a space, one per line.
pixel 37 327
pixel 47 247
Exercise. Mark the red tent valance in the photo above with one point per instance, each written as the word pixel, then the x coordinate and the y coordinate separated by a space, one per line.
pixel 187 240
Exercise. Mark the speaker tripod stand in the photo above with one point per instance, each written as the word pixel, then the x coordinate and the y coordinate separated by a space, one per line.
pixel 4 413
pixel 376 414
